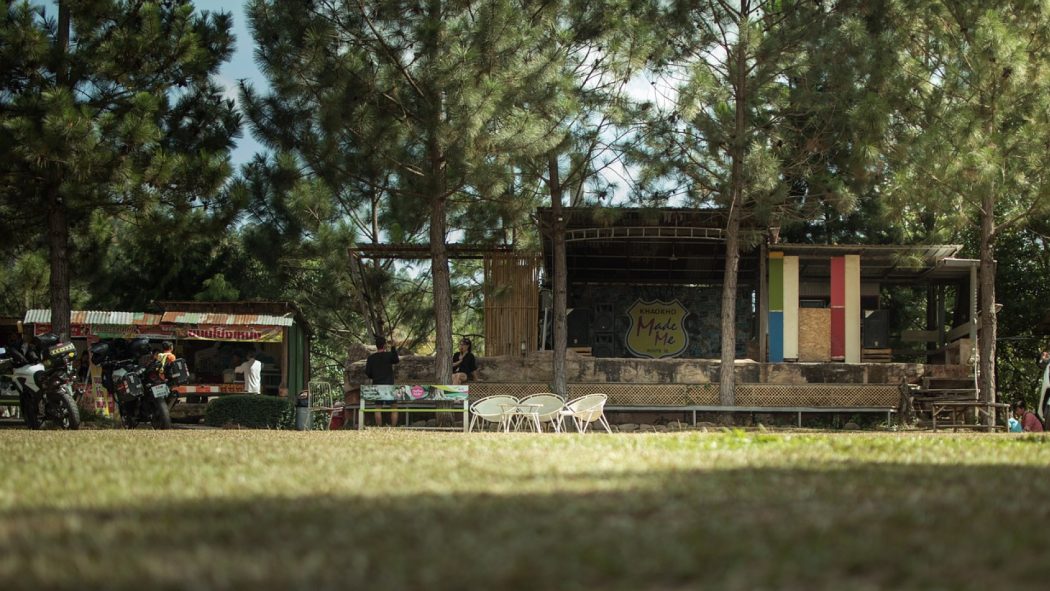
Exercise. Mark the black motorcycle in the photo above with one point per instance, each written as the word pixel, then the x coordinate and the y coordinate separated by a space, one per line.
pixel 43 377
pixel 133 377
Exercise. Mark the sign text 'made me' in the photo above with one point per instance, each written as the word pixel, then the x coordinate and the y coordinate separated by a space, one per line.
pixel 657 329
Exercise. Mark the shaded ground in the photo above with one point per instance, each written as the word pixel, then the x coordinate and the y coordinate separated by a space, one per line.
pixel 390 509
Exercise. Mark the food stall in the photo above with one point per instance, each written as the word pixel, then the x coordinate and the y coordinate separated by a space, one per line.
pixel 213 337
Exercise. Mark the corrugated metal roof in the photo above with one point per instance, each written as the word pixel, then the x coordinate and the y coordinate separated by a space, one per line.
pixel 176 317
pixel 97 318
pixel 883 263
pixel 104 318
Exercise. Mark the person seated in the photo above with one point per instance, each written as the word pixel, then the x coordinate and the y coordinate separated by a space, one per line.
pixel 463 363
pixel 1030 423
pixel 166 355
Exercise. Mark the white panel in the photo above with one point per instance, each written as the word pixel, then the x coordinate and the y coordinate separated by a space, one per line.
pixel 852 308
pixel 790 307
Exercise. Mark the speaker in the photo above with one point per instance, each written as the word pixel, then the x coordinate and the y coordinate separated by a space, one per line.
pixel 603 318
pixel 579 327
pixel 876 329
pixel 603 345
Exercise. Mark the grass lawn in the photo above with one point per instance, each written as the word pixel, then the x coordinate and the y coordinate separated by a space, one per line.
pixel 399 510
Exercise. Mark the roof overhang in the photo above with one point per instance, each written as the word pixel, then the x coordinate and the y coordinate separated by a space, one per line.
pixel 190 313
pixel 670 246
pixel 935 263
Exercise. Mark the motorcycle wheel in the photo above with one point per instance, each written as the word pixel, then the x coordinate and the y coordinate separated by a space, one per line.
pixel 129 414
pixel 30 411
pixel 161 418
pixel 69 413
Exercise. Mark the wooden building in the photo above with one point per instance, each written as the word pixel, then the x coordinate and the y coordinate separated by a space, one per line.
pixel 795 302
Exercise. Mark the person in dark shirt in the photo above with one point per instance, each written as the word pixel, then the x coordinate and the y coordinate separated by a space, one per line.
pixel 463 363
pixel 379 367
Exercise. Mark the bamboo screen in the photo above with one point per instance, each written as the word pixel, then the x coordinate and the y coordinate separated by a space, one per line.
pixel 512 301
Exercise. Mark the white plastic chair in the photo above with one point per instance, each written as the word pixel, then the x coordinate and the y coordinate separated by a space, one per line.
pixel 550 408
pixel 584 411
pixel 492 409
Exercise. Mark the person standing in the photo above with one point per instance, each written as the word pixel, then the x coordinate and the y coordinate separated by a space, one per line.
pixel 252 370
pixel 379 367
pixel 463 363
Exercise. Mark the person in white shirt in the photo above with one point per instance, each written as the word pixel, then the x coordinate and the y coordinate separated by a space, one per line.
pixel 252 370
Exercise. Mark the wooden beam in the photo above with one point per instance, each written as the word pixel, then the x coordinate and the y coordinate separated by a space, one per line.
pixel 422 251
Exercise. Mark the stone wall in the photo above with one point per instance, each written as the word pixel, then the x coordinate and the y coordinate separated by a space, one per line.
pixel 537 368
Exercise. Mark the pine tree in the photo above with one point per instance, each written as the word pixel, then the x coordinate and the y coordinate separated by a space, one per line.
pixel 976 130
pixel 754 119
pixel 602 47
pixel 419 100
pixel 109 106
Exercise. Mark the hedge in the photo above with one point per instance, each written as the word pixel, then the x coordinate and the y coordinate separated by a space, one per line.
pixel 253 411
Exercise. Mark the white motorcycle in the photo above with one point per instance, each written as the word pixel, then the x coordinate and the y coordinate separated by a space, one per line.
pixel 42 380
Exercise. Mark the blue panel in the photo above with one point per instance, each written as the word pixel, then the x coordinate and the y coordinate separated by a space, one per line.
pixel 776 337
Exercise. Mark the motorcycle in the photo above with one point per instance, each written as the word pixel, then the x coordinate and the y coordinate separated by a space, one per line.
pixel 42 378
pixel 141 389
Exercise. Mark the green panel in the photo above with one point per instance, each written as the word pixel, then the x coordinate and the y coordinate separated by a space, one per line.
pixel 776 283
pixel 296 360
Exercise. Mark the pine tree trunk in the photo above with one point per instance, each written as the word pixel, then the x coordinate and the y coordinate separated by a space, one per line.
pixel 58 244
pixel 57 216
pixel 442 292
pixel 986 338
pixel 726 374
pixel 375 304
pixel 560 286
pixel 727 369
pixel 438 203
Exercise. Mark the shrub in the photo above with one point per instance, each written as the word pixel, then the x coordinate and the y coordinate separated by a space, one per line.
pixel 251 410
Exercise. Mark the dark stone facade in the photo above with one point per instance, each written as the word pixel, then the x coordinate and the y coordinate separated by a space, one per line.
pixel 703 323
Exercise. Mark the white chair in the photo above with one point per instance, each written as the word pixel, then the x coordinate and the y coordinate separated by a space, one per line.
pixel 584 411
pixel 492 409
pixel 549 409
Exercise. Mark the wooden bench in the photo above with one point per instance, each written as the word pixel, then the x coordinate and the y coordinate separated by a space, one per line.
pixel 411 398
pixel 957 411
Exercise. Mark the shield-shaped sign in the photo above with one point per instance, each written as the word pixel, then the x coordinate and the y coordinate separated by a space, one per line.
pixel 657 329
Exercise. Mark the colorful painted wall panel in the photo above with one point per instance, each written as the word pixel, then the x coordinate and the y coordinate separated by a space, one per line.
pixel 851 308
pixel 776 281
pixel 776 336
pixel 776 307
pixel 838 310
pixel 791 308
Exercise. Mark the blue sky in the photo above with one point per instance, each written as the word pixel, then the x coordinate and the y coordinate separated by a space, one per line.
pixel 241 66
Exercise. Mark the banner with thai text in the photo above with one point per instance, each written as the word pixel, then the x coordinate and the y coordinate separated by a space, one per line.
pixel 249 334
pixel 414 392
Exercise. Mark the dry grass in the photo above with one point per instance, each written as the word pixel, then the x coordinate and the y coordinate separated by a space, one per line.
pixel 395 510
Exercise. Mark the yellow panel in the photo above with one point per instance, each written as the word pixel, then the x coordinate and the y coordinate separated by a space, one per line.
pixel 852 307
pixel 790 307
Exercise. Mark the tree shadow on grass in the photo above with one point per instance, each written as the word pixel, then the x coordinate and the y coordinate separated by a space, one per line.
pixel 848 526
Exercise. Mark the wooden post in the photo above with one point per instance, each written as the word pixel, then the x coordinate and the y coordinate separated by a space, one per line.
pixel 763 306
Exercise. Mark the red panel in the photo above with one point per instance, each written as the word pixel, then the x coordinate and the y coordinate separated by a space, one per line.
pixel 838 308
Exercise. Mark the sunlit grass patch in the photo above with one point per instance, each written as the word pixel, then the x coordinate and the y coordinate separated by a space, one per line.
pixel 394 509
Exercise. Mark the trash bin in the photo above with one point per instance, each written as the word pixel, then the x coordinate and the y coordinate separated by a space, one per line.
pixel 302 411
